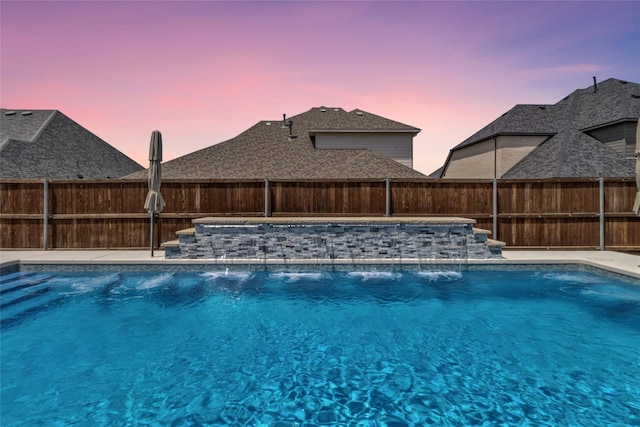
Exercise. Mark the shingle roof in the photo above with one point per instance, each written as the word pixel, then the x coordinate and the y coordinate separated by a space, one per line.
pixel 613 101
pixel 577 155
pixel 47 144
pixel 521 119
pixel 266 151
pixel 22 125
pixel 337 119
pixel 569 152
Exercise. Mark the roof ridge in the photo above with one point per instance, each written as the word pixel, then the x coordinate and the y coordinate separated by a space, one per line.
pixel 626 100
pixel 360 111
pixel 44 125
pixel 5 142
pixel 562 155
pixel 502 120
pixel 322 107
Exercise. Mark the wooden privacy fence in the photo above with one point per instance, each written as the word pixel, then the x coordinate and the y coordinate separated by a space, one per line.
pixel 98 214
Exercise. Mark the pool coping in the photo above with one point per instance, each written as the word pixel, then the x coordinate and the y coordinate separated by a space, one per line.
pixel 615 262
pixel 365 220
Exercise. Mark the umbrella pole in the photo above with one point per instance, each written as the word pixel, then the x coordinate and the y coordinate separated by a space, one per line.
pixel 151 234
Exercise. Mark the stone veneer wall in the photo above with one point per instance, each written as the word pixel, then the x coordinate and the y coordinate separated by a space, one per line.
pixel 331 241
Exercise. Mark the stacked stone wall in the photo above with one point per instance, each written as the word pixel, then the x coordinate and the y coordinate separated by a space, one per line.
pixel 333 241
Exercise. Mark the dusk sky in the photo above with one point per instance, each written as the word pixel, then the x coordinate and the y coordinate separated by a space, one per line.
pixel 202 72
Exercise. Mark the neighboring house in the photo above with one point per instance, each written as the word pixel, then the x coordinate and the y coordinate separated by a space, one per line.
pixel 37 144
pixel 590 133
pixel 320 143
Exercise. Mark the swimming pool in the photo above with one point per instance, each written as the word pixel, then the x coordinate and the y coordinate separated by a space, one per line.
pixel 366 347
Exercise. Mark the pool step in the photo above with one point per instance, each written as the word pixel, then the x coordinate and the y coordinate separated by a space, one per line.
pixel 483 235
pixel 18 297
pixel 172 247
pixel 171 244
pixel 25 295
pixel 492 242
pixel 494 246
pixel 15 276
pixel 187 232
pixel 13 317
pixel 24 282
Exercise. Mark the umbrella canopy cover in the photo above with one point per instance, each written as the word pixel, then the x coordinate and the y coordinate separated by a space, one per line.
pixel 154 202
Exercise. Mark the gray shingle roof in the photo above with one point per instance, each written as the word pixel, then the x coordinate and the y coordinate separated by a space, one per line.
pixel 47 144
pixel 576 155
pixel 337 119
pixel 22 125
pixel 520 120
pixel 570 152
pixel 266 151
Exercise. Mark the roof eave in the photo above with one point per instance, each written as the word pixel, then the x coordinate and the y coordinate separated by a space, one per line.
pixel 414 131
pixel 613 122
pixel 446 165
pixel 497 134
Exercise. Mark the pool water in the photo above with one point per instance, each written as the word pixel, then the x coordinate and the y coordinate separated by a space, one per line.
pixel 360 348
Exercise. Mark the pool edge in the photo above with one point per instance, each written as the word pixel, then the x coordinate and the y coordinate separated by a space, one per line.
pixel 111 258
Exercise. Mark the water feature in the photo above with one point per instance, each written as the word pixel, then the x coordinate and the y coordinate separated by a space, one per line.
pixel 355 239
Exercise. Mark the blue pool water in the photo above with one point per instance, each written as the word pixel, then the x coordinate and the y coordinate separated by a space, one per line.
pixel 360 348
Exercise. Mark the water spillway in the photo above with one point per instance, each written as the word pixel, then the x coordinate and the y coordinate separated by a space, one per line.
pixel 331 239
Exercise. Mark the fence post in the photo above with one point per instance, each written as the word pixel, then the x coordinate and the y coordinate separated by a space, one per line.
pixel 267 201
pixel 601 213
pixel 495 209
pixel 387 211
pixel 45 215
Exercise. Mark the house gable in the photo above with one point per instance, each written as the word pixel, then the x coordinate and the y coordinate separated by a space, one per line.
pixel 618 136
pixel 602 118
pixel 396 146
pixel 361 130
pixel 492 157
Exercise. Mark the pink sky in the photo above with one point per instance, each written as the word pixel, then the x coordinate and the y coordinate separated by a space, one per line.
pixel 202 72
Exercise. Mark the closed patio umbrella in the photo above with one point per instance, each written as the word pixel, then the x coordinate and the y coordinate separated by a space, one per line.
pixel 636 205
pixel 154 203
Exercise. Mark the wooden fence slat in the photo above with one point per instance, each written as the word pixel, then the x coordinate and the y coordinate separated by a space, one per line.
pixel 552 213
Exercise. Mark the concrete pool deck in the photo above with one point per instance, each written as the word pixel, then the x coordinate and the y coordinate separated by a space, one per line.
pixel 616 262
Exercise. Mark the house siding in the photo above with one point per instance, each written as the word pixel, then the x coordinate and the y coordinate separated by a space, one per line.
pixel 620 136
pixel 397 146
pixel 477 161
